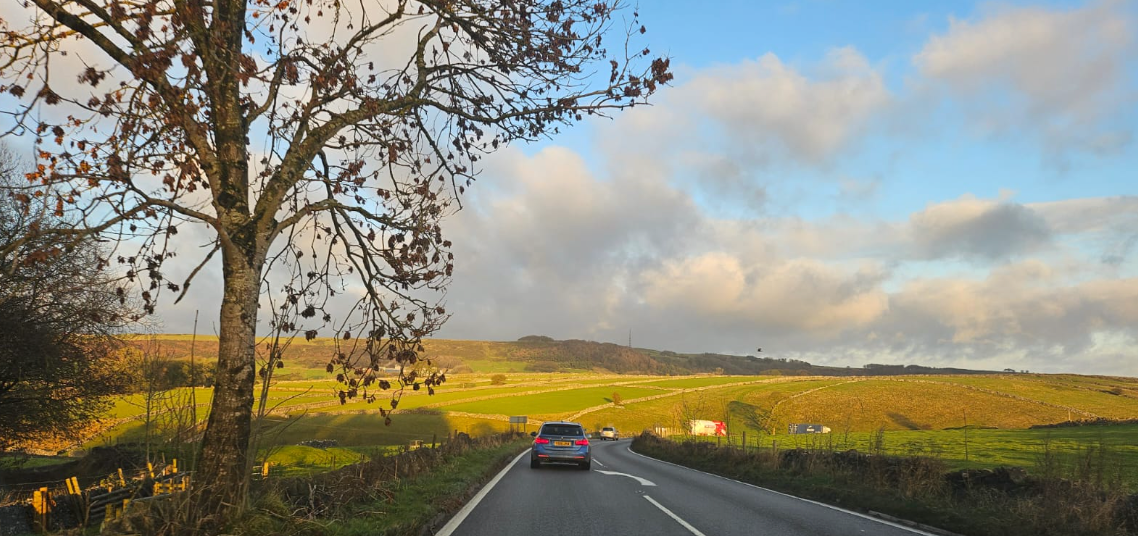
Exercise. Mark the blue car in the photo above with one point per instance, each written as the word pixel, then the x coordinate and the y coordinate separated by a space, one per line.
pixel 560 442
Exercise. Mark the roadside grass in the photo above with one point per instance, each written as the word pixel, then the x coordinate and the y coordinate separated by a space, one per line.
pixel 407 493
pixel 419 501
pixel 1115 447
pixel 919 489
pixel 552 403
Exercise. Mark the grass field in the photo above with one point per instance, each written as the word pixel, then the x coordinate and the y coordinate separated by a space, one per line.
pixel 703 381
pixel 291 460
pixel 551 404
pixel 917 414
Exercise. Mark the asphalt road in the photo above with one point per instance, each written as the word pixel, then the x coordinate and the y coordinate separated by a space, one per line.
pixel 627 494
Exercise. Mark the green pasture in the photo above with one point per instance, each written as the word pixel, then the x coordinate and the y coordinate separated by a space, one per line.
pixel 135 405
pixel 368 429
pixel 1093 396
pixel 417 399
pixel 300 374
pixel 875 403
pixel 350 430
pixel 495 365
pixel 292 460
pixel 702 381
pixel 709 404
pixel 552 403
pixel 1091 382
pixel 449 392
pixel 919 414
pixel 868 404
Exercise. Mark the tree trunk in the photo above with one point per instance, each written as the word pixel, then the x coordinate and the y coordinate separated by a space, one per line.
pixel 222 471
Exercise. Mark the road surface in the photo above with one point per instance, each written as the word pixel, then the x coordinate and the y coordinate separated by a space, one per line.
pixel 626 494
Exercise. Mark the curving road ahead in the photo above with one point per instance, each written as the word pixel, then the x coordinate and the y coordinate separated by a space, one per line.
pixel 629 494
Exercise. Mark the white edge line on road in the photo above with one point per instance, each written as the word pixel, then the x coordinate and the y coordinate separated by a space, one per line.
pixel 678 519
pixel 469 507
pixel 830 506
pixel 598 462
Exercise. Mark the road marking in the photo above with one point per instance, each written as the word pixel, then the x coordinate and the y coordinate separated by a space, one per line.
pixel 642 481
pixel 461 515
pixel 830 506
pixel 678 519
pixel 598 462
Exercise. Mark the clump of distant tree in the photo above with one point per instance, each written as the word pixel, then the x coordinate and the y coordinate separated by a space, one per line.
pixel 498 379
pixel 586 355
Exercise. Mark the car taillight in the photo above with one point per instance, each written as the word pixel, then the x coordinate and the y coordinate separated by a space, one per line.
pixel 540 441
pixel 582 443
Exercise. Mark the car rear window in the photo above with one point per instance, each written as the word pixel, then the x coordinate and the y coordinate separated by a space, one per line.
pixel 562 430
pixel 606 429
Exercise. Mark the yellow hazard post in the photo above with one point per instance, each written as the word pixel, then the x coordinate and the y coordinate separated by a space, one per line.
pixel 41 501
pixel 174 466
pixel 122 479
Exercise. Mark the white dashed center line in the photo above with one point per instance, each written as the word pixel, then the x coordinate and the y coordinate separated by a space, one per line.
pixel 678 519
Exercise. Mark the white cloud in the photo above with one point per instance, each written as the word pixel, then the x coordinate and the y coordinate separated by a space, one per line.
pixel 1060 75
pixel 977 228
pixel 559 251
pixel 769 103
pixel 802 295
pixel 725 131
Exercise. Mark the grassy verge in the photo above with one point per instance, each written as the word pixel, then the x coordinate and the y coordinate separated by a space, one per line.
pixel 974 503
pixel 400 494
pixel 418 502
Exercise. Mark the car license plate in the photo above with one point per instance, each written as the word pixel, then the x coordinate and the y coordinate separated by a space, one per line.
pixel 563 443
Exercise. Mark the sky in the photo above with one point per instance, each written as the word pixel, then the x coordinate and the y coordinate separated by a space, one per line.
pixel 941 183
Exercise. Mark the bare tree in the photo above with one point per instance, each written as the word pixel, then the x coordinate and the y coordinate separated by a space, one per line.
pixel 320 142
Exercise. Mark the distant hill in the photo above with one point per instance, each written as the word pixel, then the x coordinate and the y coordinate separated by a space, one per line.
pixel 536 353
